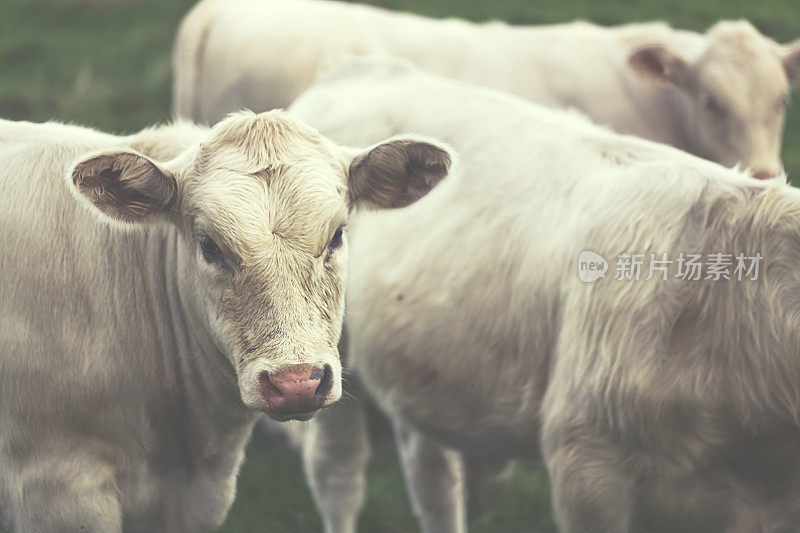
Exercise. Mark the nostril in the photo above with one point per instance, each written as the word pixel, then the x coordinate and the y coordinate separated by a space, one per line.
pixel 764 174
pixel 326 385
pixel 268 388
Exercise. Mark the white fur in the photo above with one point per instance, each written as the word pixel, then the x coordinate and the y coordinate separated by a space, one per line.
pixel 469 325
pixel 260 55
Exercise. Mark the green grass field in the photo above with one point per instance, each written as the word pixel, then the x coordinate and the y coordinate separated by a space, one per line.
pixel 106 63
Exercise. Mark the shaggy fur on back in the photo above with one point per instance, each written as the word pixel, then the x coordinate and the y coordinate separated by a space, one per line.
pixel 667 403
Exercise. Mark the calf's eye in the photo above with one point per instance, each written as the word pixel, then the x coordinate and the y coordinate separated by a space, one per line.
pixel 211 252
pixel 336 240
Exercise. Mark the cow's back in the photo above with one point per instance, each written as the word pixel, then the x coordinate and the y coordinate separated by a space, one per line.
pixel 260 55
pixel 279 47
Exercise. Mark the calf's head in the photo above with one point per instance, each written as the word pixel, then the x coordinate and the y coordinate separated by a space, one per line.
pixel 261 206
pixel 738 89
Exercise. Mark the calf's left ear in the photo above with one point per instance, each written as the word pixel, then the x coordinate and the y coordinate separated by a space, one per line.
pixel 791 61
pixel 125 186
pixel 397 172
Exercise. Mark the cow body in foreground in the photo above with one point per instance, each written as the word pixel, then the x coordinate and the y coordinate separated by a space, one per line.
pixel 719 95
pixel 669 403
pixel 150 307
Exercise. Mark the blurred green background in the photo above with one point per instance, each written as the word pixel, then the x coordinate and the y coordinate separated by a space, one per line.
pixel 106 64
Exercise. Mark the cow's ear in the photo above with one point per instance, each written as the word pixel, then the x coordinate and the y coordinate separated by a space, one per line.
pixel 126 186
pixel 397 172
pixel 659 64
pixel 791 61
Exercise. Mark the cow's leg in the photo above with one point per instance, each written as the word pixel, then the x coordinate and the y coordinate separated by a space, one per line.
pixel 592 491
pixel 335 452
pixel 65 493
pixel 435 480
pixel 485 476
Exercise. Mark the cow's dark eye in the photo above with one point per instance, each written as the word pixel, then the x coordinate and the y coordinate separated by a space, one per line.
pixel 211 252
pixel 336 240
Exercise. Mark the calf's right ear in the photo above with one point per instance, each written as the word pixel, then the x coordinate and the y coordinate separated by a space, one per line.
pixel 397 172
pixel 125 186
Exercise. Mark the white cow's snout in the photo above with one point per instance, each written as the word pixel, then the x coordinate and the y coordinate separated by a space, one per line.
pixel 295 390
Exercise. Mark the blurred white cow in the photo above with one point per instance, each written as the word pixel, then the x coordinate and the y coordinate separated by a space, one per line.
pixel 666 402
pixel 721 95
pixel 156 291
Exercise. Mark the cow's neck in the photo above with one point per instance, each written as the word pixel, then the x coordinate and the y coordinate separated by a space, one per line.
pixel 677 107
pixel 197 378
pixel 660 111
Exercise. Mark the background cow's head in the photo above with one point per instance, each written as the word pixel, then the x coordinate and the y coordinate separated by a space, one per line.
pixel 262 206
pixel 738 87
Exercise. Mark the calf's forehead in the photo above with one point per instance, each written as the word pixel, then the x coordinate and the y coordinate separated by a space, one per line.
pixel 267 176
pixel 248 144
pixel 298 205
pixel 740 60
